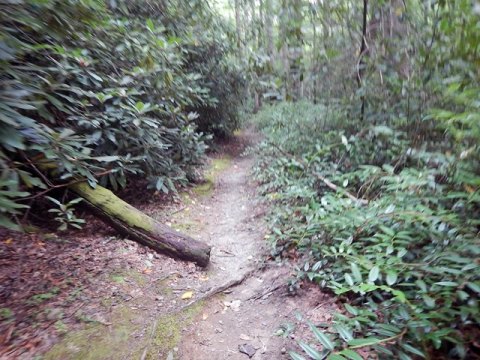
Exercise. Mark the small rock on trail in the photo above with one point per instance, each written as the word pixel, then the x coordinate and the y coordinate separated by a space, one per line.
pixel 247 349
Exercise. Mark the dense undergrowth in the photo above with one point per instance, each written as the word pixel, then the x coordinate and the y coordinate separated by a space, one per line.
pixel 108 91
pixel 403 259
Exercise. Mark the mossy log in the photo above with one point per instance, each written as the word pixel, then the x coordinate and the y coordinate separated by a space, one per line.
pixel 141 228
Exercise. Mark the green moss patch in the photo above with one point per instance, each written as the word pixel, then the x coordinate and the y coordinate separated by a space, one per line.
pixel 216 166
pixel 99 341
pixel 132 275
pixel 168 332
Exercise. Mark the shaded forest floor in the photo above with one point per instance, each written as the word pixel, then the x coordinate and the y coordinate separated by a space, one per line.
pixel 90 295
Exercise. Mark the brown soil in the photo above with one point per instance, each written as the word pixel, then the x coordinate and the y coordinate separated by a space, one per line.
pixel 99 297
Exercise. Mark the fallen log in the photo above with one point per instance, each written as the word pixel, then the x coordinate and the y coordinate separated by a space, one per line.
pixel 137 226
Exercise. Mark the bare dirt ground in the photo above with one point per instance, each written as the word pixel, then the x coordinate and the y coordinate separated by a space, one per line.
pixel 99 297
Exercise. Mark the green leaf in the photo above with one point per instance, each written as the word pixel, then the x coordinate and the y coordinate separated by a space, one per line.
pixel 447 283
pixel 75 201
pixel 139 106
pixel 390 232
pixel 344 332
pixel 335 357
pixel 351 309
pixel 66 133
pixel 474 287
pixel 373 274
pixel 349 279
pixel 403 356
pixel 314 354
pixel 413 350
pixel 95 76
pixel 106 158
pixel 356 272
pixel 359 343
pixel 429 301
pixel 391 277
pixel 150 25
pixel 322 338
pixel 55 201
pixel 7 223
pixel 350 354
pixel 31 181
pixel 296 356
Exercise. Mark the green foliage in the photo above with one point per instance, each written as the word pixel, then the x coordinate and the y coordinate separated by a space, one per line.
pixel 405 264
pixel 397 128
pixel 39 298
pixel 65 215
pixel 6 314
pixel 106 93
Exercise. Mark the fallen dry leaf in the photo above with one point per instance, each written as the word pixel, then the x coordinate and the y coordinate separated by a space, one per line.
pixel 187 295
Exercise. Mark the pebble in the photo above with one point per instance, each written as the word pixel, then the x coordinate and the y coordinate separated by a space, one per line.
pixel 283 351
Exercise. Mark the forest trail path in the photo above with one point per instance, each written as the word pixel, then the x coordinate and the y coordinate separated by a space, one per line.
pixel 150 307
pixel 254 318
pixel 245 316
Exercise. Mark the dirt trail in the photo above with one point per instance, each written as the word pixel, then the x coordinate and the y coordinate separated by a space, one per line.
pixel 243 317
pixel 148 306
pixel 257 318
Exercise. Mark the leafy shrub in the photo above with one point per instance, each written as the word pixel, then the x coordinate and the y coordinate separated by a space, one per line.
pixel 405 263
pixel 103 93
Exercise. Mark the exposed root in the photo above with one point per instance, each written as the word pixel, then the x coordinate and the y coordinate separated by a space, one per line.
pixel 220 289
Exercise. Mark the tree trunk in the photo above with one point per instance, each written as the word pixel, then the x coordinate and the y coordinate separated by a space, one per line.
pixel 361 63
pixel 141 228
pixel 238 27
pixel 269 30
pixel 256 105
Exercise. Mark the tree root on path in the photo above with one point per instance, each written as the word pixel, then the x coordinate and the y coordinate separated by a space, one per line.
pixel 207 295
pixel 265 293
pixel 220 288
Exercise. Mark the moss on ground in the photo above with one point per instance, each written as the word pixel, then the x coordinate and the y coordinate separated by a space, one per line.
pixel 186 226
pixel 217 165
pixel 131 274
pixel 99 341
pixel 168 332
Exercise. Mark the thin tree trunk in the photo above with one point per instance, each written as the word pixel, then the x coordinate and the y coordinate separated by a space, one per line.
pixel 238 27
pixel 269 29
pixel 361 63
pixel 285 50
pixel 314 70
pixel 256 105
pixel 261 25
pixel 253 24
